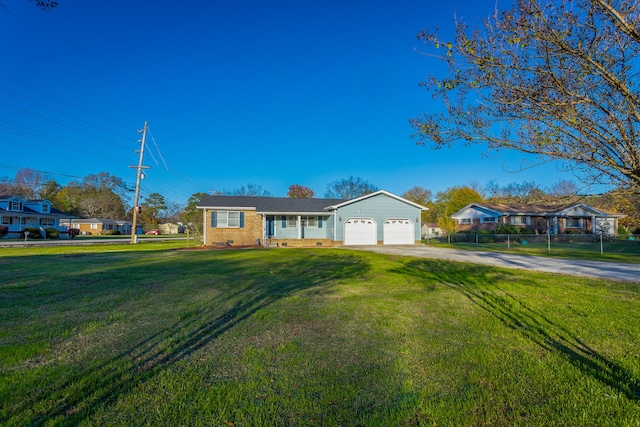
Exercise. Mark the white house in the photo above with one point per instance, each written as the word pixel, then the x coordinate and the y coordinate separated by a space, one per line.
pixel 17 213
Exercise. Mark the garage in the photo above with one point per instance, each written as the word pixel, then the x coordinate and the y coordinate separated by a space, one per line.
pixel 398 231
pixel 360 231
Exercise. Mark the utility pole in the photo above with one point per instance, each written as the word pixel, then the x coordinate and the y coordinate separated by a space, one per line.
pixel 134 236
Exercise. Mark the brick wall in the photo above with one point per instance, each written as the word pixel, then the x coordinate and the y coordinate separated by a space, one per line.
pixel 301 243
pixel 245 236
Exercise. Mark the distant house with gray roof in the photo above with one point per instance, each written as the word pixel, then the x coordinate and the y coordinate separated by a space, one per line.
pixel 96 226
pixel 539 218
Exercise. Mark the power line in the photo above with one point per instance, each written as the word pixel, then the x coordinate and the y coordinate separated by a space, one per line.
pixel 41 171
pixel 63 125
pixel 67 103
pixel 65 114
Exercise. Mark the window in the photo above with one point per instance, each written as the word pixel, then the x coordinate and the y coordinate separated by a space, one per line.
pixel 94 226
pixel 47 221
pixel 309 221
pixel 227 219
pixel 292 221
pixel 491 219
pixel 520 220
pixel 45 208
pixel 465 220
pixel 573 223
pixel 6 220
pixel 15 205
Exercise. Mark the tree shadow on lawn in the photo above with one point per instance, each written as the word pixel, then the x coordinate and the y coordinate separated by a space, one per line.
pixel 479 285
pixel 100 385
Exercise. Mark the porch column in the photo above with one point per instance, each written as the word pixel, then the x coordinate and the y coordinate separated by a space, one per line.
pixel 204 227
pixel 299 225
pixel 593 224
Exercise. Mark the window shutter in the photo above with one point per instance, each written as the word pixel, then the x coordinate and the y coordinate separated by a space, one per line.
pixel 213 219
pixel 241 219
pixel 319 222
pixel 284 221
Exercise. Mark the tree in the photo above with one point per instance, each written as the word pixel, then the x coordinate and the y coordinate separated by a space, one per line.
pixel 297 191
pixel 96 196
pixel 349 188
pixel 152 206
pixel 42 4
pixel 192 216
pixel 28 183
pixel 558 79
pixel 421 196
pixel 49 191
pixel 525 192
pixel 418 195
pixel 253 190
pixel 564 189
pixel 449 202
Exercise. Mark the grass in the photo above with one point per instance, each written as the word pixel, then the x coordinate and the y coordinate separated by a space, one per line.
pixel 149 335
pixel 613 251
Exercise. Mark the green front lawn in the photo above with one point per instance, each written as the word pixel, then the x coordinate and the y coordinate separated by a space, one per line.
pixel 144 335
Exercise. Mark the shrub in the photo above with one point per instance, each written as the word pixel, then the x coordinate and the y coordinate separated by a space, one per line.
pixel 52 233
pixel 34 233
pixel 485 239
pixel 110 232
pixel 572 231
pixel 4 230
pixel 506 229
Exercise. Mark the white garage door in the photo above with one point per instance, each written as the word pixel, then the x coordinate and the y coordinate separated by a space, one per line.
pixel 360 231
pixel 398 231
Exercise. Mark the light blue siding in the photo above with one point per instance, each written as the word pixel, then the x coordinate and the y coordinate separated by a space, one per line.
pixel 379 207
pixel 322 232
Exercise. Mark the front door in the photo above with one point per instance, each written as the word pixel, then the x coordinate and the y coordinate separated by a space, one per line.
pixel 271 226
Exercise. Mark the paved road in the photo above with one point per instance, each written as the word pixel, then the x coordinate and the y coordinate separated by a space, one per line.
pixel 599 269
pixel 82 241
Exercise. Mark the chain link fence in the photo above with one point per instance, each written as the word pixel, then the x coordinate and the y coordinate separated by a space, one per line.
pixel 622 244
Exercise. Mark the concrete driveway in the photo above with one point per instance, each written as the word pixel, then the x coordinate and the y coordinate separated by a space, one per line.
pixel 598 269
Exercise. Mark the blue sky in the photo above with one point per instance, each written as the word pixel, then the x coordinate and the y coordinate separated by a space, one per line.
pixel 269 93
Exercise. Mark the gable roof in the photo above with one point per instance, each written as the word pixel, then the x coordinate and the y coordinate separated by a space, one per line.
pixel 267 205
pixel 535 210
pixel 376 193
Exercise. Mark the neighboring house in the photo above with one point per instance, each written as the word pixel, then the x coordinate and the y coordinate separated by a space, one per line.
pixel 430 229
pixel 94 226
pixel 171 228
pixel 17 213
pixel 552 219
pixel 377 218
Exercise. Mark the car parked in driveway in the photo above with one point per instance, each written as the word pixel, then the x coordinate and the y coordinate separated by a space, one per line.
pixel 154 232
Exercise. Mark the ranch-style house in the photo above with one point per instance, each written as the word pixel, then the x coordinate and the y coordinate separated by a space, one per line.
pixel 377 218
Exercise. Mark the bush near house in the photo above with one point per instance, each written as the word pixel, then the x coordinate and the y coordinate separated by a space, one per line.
pixel 506 229
pixel 52 233
pixel 33 233
pixel 110 232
